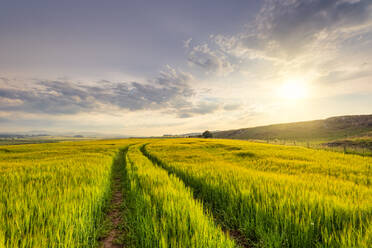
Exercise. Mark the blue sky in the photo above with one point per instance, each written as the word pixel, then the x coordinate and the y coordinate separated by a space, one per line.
pixel 155 67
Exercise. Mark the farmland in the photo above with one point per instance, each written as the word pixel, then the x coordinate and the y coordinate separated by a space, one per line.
pixel 183 193
pixel 53 194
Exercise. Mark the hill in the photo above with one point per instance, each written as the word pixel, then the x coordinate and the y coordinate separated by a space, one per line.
pixel 328 129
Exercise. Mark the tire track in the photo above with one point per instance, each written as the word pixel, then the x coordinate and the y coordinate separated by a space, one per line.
pixel 116 212
pixel 235 235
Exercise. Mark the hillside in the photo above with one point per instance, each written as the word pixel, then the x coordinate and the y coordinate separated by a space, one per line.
pixel 328 129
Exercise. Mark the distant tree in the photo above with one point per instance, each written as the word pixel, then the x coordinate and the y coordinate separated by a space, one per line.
pixel 207 134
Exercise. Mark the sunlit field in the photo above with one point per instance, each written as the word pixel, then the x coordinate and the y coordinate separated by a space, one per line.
pixel 52 195
pixel 277 195
pixel 184 193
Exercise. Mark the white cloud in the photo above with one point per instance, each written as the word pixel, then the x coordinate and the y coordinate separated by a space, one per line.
pixel 212 61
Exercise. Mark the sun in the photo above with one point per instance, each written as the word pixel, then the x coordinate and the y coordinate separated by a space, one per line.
pixel 293 89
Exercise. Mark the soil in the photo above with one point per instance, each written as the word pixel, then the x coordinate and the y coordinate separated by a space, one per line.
pixel 114 215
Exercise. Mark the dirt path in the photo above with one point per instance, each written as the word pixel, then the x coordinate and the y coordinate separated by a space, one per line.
pixel 114 217
pixel 240 239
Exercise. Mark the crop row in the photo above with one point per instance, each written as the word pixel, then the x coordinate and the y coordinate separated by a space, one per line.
pixel 54 195
pixel 272 208
pixel 163 211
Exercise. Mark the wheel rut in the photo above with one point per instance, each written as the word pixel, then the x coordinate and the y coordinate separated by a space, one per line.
pixel 114 216
pixel 235 235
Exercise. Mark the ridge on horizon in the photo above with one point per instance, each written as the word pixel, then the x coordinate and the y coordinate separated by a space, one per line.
pixel 334 127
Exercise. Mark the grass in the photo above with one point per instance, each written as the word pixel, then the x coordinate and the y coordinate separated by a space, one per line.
pixel 277 195
pixel 23 140
pixel 360 145
pixel 183 193
pixel 164 213
pixel 53 195
pixel 325 130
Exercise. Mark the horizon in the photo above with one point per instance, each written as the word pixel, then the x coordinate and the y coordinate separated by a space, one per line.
pixel 151 68
pixel 116 135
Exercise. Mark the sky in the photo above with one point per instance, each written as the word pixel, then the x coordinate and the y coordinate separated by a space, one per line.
pixel 172 67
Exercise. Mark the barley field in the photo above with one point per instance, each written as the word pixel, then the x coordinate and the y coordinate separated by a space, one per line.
pixel 184 193
pixel 53 195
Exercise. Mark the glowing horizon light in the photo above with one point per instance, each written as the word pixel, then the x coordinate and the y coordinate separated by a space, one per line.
pixel 294 89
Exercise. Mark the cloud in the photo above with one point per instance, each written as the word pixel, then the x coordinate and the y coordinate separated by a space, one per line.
pixel 291 37
pixel 212 61
pixel 201 108
pixel 170 92
pixel 167 90
pixel 186 43
pixel 172 78
pixel 291 24
pixel 230 107
pixel 4 120
pixel 323 40
pixel 284 29
pixel 344 75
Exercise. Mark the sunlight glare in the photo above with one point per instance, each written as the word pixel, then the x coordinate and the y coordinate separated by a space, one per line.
pixel 293 89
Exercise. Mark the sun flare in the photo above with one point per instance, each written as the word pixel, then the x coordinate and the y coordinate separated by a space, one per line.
pixel 293 89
